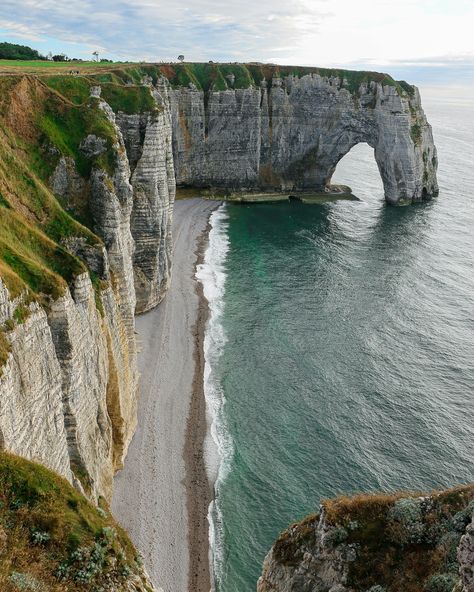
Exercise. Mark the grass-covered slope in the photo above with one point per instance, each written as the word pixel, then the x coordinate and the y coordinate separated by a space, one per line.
pixel 402 541
pixel 52 539
pixel 36 129
pixel 43 119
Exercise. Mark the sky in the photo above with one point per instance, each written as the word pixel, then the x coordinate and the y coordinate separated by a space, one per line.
pixel 410 39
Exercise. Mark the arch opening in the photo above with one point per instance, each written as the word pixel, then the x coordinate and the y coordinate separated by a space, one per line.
pixel 359 170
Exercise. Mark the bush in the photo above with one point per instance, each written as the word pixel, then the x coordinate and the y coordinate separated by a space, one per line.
pixel 461 519
pixel 441 583
pixel 335 536
pixel 405 521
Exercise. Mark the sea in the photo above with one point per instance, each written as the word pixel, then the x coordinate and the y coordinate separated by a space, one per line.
pixel 339 347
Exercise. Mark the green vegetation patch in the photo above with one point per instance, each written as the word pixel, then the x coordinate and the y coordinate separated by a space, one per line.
pixel 183 74
pixel 243 78
pixel 52 535
pixel 74 88
pixel 41 264
pixel 415 133
pixel 129 99
pixel 32 225
pixel 65 127
pixel 4 202
pixel 5 347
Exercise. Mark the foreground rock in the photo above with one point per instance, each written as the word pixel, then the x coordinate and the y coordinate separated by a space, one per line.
pixel 378 543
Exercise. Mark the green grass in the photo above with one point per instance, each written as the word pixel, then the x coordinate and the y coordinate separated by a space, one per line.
pixel 30 230
pixel 5 347
pixel 55 536
pixel 65 127
pixel 47 65
pixel 74 88
pixel 243 77
pixel 130 99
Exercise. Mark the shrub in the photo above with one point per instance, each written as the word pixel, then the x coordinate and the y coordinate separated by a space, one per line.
pixel 405 521
pixel 335 536
pixel 39 538
pixel 441 583
pixel 23 581
pixel 462 518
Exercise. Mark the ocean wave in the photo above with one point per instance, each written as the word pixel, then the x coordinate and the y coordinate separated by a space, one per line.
pixel 218 446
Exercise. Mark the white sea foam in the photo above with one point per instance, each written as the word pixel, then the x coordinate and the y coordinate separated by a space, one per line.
pixel 218 445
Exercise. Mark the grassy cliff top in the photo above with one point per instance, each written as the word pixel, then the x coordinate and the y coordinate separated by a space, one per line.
pixel 205 76
pixel 53 539
pixel 214 76
pixel 403 541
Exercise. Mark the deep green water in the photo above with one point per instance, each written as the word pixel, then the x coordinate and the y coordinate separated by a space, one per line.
pixel 348 362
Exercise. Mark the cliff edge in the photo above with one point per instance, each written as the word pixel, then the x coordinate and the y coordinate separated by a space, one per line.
pixel 255 127
pixel 378 543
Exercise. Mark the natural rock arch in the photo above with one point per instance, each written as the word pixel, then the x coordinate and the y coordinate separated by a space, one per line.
pixel 358 165
pixel 289 135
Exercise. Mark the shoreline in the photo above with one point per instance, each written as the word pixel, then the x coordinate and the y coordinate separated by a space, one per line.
pixel 199 489
pixel 162 494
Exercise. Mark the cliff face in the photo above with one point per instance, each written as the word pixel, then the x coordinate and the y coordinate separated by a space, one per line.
pixel 378 543
pixel 68 377
pixel 149 148
pixel 287 132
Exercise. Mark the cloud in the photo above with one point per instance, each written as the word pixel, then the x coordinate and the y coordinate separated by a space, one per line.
pixel 145 29
pixel 417 34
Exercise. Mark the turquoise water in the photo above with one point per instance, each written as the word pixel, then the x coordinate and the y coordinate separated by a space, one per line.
pixel 347 361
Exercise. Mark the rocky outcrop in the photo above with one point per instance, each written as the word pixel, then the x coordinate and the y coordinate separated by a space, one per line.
pixel 465 557
pixel 149 147
pixel 378 543
pixel 290 133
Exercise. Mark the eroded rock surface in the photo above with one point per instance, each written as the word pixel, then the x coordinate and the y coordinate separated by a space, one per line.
pixel 289 135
